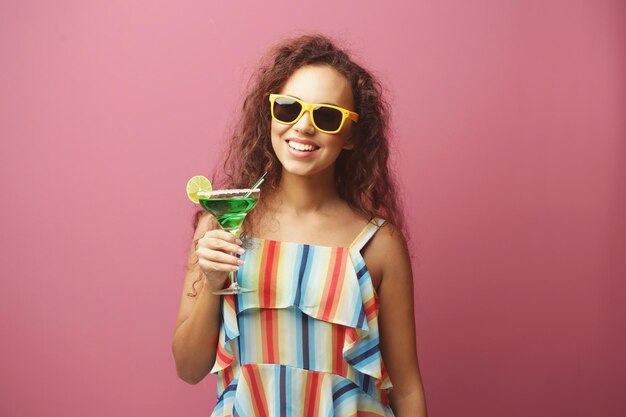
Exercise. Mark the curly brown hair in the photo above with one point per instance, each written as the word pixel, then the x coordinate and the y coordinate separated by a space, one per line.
pixel 362 175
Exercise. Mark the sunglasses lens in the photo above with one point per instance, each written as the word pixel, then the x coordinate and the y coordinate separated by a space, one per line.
pixel 286 110
pixel 327 118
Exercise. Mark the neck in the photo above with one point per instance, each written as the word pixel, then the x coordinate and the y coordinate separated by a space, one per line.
pixel 306 194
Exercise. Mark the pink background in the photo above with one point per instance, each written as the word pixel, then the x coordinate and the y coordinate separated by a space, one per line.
pixel 510 143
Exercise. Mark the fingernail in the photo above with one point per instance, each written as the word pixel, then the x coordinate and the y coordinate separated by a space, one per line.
pixel 241 251
pixel 239 242
pixel 235 268
pixel 240 262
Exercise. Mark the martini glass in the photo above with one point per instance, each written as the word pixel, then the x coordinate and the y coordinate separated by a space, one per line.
pixel 230 208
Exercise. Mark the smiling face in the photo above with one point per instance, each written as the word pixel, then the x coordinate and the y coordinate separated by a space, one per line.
pixel 300 148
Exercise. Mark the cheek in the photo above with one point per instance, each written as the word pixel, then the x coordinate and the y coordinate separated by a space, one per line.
pixel 276 132
pixel 277 129
pixel 343 138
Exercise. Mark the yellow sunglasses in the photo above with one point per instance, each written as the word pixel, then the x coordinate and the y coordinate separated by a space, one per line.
pixel 325 117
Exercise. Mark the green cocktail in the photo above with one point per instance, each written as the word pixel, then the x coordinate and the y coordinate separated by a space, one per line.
pixel 230 208
pixel 230 212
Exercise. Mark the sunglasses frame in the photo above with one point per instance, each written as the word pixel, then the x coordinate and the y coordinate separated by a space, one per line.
pixel 310 107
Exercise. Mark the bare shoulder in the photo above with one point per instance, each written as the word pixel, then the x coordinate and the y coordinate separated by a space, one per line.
pixel 205 222
pixel 388 234
pixel 387 252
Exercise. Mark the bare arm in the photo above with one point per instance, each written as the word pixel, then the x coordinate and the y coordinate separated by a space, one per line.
pixel 397 323
pixel 196 335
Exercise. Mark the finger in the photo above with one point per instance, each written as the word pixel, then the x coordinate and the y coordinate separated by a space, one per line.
pixel 214 243
pixel 207 265
pixel 223 246
pixel 219 257
pixel 224 235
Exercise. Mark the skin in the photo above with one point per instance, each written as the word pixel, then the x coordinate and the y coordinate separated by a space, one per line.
pixel 307 209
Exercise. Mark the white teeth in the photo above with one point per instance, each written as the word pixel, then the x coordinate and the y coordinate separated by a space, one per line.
pixel 300 146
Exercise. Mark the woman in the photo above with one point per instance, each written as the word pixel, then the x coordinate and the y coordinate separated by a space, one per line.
pixel 330 328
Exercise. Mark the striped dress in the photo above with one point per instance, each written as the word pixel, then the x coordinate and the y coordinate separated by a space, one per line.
pixel 306 343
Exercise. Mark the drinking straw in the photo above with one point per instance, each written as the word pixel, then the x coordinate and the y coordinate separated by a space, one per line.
pixel 255 186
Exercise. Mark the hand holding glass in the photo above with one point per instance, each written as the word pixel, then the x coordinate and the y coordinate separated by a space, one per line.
pixel 230 208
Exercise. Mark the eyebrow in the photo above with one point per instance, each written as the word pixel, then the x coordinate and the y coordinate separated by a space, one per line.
pixel 332 104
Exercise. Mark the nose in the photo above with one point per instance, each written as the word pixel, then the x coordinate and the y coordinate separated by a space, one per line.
pixel 304 124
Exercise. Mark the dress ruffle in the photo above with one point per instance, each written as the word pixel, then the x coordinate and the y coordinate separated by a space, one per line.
pixel 295 392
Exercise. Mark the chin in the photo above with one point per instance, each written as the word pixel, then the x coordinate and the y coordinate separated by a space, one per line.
pixel 305 170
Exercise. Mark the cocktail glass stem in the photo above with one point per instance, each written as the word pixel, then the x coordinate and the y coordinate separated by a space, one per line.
pixel 234 287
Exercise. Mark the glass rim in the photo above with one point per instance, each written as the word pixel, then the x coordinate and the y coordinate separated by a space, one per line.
pixel 210 194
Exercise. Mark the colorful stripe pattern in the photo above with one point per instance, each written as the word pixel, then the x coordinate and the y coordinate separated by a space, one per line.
pixel 306 342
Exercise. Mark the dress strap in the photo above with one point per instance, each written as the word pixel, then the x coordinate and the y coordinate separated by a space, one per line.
pixel 366 234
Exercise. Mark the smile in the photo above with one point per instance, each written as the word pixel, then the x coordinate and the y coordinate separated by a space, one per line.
pixel 302 147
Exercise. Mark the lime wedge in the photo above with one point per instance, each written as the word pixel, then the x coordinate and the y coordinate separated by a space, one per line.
pixel 198 184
